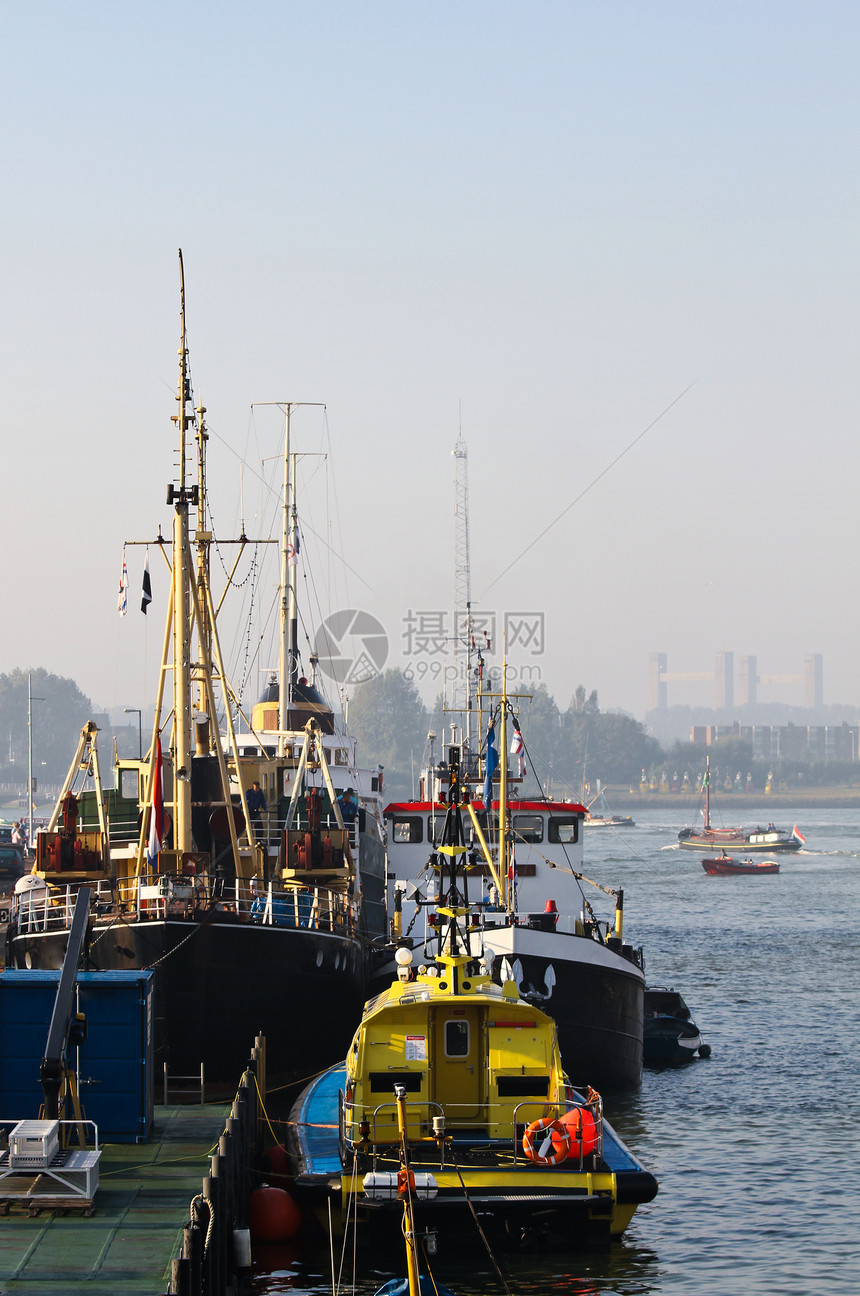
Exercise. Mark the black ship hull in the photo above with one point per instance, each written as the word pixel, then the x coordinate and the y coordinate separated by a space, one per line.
pixel 219 981
pixel 595 994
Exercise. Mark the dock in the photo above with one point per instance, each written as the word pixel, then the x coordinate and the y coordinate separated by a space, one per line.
pixel 136 1227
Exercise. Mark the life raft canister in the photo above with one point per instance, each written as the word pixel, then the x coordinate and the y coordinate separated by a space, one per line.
pixel 582 1131
pixel 547 1142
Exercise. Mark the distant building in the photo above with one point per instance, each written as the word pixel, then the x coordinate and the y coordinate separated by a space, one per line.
pixel 787 742
pixel 660 677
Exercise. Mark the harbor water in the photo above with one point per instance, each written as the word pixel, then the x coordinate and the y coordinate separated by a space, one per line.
pixel 756 1148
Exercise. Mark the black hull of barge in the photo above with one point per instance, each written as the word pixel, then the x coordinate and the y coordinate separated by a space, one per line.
pixel 595 993
pixel 599 1013
pixel 218 982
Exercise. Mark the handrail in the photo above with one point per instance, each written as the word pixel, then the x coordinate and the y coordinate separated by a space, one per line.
pixel 49 907
pixel 354 1113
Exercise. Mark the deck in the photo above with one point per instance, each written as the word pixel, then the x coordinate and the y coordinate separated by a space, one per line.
pixel 135 1229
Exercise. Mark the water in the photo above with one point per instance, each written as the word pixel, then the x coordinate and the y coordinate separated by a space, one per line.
pixel 756 1148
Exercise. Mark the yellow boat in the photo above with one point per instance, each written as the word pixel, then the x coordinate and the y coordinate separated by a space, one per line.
pixel 454 1098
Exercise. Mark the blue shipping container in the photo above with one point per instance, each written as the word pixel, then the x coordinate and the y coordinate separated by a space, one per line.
pixel 114 1065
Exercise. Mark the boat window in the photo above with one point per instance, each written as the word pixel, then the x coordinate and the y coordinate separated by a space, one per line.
pixel 456 1039
pixel 435 827
pixel 128 784
pixel 341 757
pixel 489 824
pixel 384 1081
pixel 528 827
pixel 407 829
pixel 564 829
pixel 523 1086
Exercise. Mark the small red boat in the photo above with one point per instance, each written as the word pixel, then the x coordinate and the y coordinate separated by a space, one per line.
pixel 724 864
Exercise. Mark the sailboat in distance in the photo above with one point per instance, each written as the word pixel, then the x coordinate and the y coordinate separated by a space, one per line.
pixel 708 837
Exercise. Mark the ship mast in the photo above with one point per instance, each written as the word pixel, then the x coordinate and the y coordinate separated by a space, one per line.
pixel 462 629
pixel 191 606
pixel 503 786
pixel 288 656
pixel 180 497
pixel 203 538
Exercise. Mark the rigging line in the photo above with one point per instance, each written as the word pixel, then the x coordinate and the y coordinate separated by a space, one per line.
pixel 332 550
pixel 331 488
pixel 543 797
pixel 590 486
pixel 483 1235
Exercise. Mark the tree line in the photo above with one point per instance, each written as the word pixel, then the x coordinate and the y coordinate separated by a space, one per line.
pixel 570 751
pixel 567 751
pixel 58 710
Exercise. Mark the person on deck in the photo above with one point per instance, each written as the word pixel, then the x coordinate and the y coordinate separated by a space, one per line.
pixel 256 808
pixel 348 806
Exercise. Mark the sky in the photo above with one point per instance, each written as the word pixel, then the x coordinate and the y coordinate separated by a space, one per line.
pixel 615 245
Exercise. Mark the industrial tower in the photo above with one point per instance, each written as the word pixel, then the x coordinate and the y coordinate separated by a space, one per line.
pixel 462 632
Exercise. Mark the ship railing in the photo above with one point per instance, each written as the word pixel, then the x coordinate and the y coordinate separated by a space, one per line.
pixel 50 909
pixel 538 1109
pixel 312 907
pixel 362 1127
pixel 123 827
pixel 273 825
pixel 375 1129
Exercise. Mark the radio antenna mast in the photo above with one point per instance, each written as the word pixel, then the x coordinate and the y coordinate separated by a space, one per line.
pixel 462 635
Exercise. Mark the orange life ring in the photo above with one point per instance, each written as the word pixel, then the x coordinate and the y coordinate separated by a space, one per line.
pixel 582 1131
pixel 547 1142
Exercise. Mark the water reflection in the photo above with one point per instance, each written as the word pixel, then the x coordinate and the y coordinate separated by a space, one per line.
pixel 623 1268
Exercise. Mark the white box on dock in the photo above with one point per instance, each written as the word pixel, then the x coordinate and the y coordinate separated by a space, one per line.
pixel 34 1144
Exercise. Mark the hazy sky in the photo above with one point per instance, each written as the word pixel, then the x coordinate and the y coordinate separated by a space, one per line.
pixel 539 221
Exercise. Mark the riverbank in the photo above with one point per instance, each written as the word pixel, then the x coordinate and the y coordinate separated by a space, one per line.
pixel 622 800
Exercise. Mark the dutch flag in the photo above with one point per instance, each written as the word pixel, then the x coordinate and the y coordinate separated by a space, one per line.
pixel 122 597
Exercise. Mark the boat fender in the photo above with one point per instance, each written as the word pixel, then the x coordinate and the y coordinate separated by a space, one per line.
pixel 275 1167
pixel 582 1131
pixel 273 1215
pixel 547 1142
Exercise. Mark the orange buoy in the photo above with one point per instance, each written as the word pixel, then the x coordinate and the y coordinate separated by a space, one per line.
pixel 275 1166
pixel 582 1128
pixel 547 1142
pixel 273 1215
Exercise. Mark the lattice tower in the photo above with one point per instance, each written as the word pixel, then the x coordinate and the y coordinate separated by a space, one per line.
pixel 460 694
